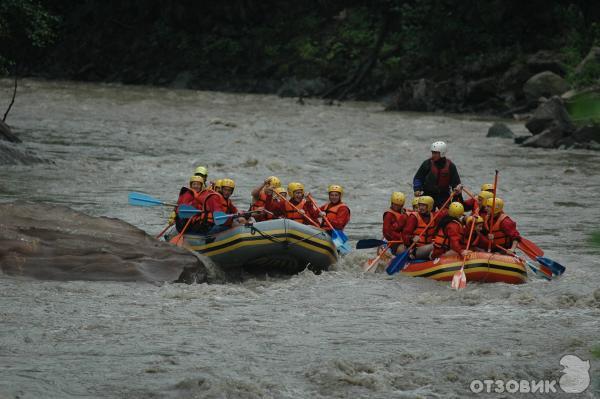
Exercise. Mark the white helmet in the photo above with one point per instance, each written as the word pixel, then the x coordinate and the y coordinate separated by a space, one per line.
pixel 439 146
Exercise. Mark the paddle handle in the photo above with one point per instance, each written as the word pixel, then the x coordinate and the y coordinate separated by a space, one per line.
pixel 493 209
pixel 298 210
pixel 374 261
pixel 317 206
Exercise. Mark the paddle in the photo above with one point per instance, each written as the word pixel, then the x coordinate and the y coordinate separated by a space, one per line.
pixel 374 243
pixel 336 235
pixel 538 272
pixel 459 280
pixel 298 210
pixel 164 230
pixel 141 199
pixel 493 209
pixel 371 265
pixel 527 246
pixel 555 267
pixel 400 260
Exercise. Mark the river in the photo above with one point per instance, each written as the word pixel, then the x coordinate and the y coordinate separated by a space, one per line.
pixel 339 334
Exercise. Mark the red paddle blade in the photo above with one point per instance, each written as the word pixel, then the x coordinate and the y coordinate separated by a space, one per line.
pixel 529 247
pixel 459 280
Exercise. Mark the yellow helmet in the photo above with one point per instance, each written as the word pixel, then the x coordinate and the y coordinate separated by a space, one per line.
pixel 295 186
pixel 334 188
pixel 398 198
pixel 483 195
pixel 227 183
pixel 197 178
pixel 479 220
pixel 456 210
pixel 427 200
pixel 218 183
pixel 415 201
pixel 201 171
pixel 274 181
pixel 487 187
pixel 499 204
pixel 279 190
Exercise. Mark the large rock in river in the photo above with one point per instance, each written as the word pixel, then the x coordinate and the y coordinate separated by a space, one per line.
pixel 53 242
pixel 545 84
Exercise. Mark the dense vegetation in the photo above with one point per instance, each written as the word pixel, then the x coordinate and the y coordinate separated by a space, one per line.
pixel 367 48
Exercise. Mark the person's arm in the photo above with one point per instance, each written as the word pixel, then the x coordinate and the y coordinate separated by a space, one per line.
pixel 454 177
pixel 256 192
pixel 409 229
pixel 419 179
pixel 509 227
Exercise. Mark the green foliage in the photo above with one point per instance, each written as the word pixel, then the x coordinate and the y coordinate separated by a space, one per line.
pixel 595 239
pixel 25 26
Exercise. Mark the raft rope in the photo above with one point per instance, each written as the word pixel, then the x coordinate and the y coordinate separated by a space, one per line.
pixel 285 241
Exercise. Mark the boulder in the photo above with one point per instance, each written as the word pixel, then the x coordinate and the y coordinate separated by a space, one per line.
pixel 551 113
pixel 6 134
pixel 547 139
pixel 53 242
pixel 592 58
pixel 500 130
pixel 545 84
pixel 13 154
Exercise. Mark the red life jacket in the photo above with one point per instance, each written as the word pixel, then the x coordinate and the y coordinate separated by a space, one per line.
pixel 260 202
pixel 421 225
pixel 201 200
pixel 442 239
pixel 333 211
pixel 500 237
pixel 291 213
pixel 442 175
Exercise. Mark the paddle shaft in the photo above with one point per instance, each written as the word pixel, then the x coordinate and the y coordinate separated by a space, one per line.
pixel 317 206
pixel 370 263
pixel 298 210
pixel 493 209
pixel 164 230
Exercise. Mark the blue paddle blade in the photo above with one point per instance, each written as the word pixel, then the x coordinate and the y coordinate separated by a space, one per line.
pixel 343 247
pixel 369 243
pixel 557 268
pixel 141 199
pixel 186 211
pixel 342 235
pixel 397 263
pixel 220 218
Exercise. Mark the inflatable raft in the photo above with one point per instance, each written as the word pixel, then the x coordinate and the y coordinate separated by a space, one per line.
pixel 482 267
pixel 280 246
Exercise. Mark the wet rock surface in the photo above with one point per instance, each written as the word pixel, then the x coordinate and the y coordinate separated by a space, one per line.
pixel 53 242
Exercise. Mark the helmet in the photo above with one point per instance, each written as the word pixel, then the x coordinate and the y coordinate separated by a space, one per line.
pixel 477 221
pixel 398 198
pixel 483 195
pixel 201 171
pixel 218 183
pixel 274 182
pixel 197 178
pixel 499 204
pixel 279 190
pixel 439 146
pixel 456 210
pixel 487 187
pixel 427 200
pixel 334 188
pixel 228 183
pixel 295 186
pixel 415 201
